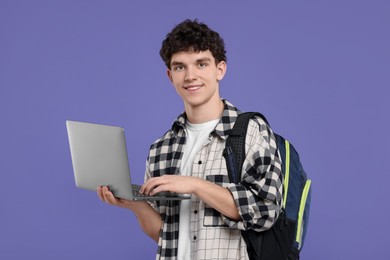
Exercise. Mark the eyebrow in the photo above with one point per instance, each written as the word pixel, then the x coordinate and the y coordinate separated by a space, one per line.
pixel 205 59
pixel 174 63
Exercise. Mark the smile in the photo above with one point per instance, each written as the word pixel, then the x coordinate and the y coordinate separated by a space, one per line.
pixel 193 87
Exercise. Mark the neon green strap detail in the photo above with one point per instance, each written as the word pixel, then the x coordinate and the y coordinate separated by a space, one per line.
pixel 287 172
pixel 302 204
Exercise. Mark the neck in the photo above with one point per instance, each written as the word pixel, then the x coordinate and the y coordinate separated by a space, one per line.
pixel 205 113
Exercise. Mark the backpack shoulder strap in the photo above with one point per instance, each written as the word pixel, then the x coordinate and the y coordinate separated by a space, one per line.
pixel 234 152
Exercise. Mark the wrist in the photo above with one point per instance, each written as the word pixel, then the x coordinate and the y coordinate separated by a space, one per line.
pixel 200 187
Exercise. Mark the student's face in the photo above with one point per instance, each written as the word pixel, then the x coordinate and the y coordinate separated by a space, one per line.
pixel 196 77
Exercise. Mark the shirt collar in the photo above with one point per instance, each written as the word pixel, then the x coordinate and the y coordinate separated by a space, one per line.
pixel 224 125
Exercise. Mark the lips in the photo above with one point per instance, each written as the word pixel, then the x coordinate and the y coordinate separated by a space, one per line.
pixel 192 87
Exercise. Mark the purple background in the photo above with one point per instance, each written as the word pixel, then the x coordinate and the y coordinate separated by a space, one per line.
pixel 319 70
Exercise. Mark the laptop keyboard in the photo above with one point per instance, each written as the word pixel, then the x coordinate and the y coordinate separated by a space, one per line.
pixel 166 194
pixel 136 193
pixel 135 188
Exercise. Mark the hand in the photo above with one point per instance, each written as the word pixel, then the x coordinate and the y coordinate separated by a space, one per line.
pixel 106 196
pixel 212 194
pixel 171 183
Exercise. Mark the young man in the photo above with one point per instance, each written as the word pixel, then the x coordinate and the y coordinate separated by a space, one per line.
pixel 188 159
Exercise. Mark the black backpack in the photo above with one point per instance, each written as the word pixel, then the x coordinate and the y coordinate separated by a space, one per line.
pixel 286 237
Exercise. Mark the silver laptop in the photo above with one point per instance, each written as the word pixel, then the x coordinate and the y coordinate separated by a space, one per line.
pixel 99 158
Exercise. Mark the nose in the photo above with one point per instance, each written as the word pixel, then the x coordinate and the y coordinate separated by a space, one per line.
pixel 190 74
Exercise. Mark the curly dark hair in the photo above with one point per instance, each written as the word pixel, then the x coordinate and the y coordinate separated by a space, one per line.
pixel 192 36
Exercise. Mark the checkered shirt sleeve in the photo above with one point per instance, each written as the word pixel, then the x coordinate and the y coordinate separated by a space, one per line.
pixel 259 194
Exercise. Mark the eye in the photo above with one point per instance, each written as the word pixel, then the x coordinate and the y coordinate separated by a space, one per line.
pixel 202 65
pixel 178 68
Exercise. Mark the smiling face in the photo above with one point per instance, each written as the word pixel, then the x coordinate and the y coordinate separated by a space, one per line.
pixel 196 76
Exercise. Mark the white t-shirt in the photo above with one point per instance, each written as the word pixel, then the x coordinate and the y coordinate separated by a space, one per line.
pixel 197 136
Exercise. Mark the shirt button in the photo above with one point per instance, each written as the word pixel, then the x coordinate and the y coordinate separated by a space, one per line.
pixel 199 162
pixel 195 212
pixel 194 237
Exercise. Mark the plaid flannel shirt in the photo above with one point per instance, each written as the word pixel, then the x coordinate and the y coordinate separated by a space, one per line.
pixel 258 196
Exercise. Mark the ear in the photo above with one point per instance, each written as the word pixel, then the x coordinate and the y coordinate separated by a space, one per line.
pixel 169 74
pixel 221 68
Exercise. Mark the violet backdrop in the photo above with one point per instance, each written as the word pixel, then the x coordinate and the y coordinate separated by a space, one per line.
pixel 319 70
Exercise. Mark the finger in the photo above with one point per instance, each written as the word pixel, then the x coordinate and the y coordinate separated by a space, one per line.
pixel 106 195
pixel 151 184
pixel 142 188
pixel 110 198
pixel 100 194
pixel 145 187
pixel 162 188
